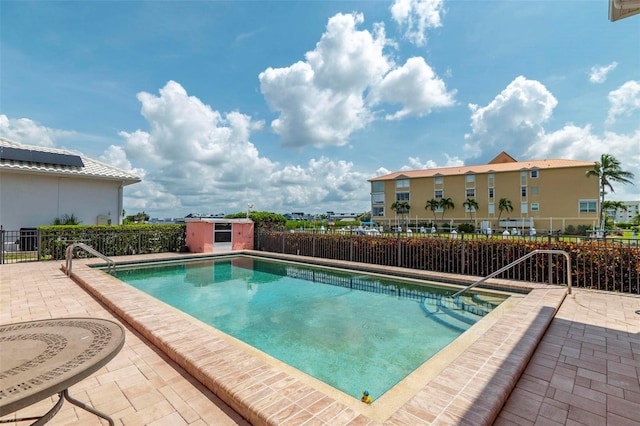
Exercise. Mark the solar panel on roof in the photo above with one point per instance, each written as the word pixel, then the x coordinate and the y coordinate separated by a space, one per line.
pixel 31 156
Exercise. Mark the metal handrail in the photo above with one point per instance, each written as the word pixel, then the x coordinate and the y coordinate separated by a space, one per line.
pixel 517 261
pixel 89 249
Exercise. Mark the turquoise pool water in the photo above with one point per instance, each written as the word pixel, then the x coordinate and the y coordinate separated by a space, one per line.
pixel 350 330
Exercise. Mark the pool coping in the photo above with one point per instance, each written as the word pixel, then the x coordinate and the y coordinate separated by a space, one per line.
pixel 471 389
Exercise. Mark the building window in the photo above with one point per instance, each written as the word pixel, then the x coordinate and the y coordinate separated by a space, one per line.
pixel 533 190
pixel 491 194
pixel 524 207
pixel 377 186
pixel 523 177
pixel 402 183
pixel 523 191
pixel 490 177
pixel 438 193
pixel 470 178
pixel 402 196
pixel 377 198
pixel 438 180
pixel 492 208
pixel 471 193
pixel 534 174
pixel 588 206
pixel 377 211
pixel 535 207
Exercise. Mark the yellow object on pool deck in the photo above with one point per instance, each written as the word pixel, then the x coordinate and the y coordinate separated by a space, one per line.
pixel 366 397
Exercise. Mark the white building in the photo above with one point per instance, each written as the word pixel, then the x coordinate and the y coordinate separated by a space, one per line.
pixel 625 216
pixel 39 184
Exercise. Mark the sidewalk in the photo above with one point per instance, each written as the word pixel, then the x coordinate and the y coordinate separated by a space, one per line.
pixel 586 369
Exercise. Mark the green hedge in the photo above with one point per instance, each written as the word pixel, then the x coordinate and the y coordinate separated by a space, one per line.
pixel 112 240
pixel 594 264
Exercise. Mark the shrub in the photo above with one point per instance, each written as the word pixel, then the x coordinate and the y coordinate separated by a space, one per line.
pixel 467 228
pixel 66 219
pixel 112 240
pixel 594 264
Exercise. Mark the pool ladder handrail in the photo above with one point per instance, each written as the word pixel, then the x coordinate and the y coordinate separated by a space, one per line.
pixel 69 257
pixel 519 260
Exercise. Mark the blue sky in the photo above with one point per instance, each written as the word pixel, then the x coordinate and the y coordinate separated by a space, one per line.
pixel 293 105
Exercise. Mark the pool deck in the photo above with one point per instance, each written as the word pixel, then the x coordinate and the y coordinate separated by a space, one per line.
pixel 550 359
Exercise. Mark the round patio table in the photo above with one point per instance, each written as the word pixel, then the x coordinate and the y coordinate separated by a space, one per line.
pixel 39 359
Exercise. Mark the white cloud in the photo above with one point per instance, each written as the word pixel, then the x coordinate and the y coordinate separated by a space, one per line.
pixel 147 195
pixel 580 143
pixel 417 16
pixel 196 159
pixel 29 132
pixel 624 101
pixel 200 160
pixel 512 120
pixel 322 100
pixel 598 74
pixel 416 164
pixel 415 86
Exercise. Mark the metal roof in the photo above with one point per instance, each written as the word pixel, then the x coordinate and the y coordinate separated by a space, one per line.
pixel 485 168
pixel 53 161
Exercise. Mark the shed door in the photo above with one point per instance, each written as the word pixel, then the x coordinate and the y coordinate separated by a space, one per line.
pixel 222 237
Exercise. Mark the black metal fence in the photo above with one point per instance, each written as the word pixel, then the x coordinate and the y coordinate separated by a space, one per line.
pixel 596 264
pixel 603 264
pixel 19 246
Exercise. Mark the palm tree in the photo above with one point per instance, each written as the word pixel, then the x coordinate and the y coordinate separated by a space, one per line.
pixel 608 170
pixel 609 206
pixel 504 205
pixel 445 204
pixel 401 207
pixel 433 205
pixel 471 205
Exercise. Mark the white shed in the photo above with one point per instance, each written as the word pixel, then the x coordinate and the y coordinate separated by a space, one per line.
pixel 39 184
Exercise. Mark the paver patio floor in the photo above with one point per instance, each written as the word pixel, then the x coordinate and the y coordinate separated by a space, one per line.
pixel 584 371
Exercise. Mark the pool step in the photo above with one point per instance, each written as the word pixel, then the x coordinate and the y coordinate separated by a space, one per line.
pixel 458 314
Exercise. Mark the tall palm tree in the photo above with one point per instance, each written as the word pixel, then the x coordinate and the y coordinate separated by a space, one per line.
pixel 608 170
pixel 433 205
pixel 401 207
pixel 445 204
pixel 472 205
pixel 504 205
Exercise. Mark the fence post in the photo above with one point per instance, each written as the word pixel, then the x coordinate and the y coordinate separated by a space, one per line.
pixel 1 248
pixel 350 246
pixel 550 259
pixel 39 243
pixel 462 264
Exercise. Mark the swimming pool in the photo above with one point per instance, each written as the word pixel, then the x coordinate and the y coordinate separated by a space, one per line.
pixel 353 331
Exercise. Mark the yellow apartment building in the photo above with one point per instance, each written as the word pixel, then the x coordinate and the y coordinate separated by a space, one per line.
pixel 545 194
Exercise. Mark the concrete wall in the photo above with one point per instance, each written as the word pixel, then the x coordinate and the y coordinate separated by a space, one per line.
pixel 200 236
pixel 243 236
pixel 29 200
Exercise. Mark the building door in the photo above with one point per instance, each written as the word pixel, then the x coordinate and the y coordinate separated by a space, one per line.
pixel 222 237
